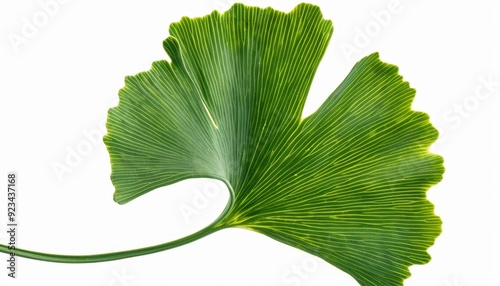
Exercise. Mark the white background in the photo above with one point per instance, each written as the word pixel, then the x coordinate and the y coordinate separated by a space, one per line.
pixel 57 84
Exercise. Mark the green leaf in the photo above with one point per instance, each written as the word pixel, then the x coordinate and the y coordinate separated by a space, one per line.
pixel 347 184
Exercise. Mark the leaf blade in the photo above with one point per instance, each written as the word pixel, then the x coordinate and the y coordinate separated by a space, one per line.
pixel 350 179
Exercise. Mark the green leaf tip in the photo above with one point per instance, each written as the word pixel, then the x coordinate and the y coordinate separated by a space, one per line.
pixel 347 183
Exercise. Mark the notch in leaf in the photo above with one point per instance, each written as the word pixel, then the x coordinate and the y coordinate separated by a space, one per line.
pixel 347 184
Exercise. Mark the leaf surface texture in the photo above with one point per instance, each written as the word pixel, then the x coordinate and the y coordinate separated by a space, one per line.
pixel 347 184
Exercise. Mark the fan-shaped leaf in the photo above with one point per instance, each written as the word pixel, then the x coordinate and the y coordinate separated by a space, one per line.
pixel 347 183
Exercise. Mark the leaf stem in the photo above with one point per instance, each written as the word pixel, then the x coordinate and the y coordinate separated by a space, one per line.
pixel 213 227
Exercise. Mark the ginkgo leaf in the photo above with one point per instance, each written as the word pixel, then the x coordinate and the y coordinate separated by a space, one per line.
pixel 347 183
